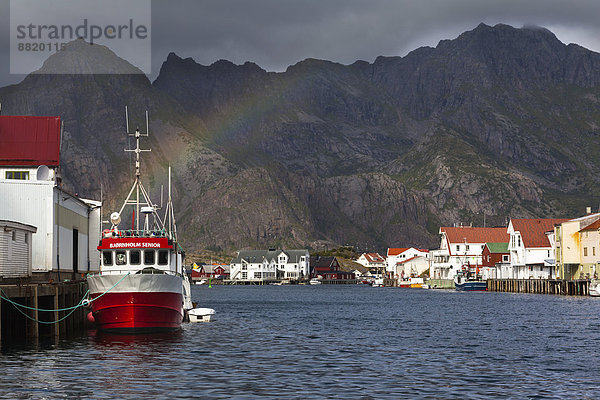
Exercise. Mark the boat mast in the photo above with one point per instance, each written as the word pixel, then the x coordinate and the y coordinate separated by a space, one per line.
pixel 137 134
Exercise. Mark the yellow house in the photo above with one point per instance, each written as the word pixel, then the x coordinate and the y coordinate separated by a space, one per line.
pixel 573 240
pixel 590 249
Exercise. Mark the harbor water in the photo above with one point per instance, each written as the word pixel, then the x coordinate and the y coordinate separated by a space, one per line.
pixel 330 341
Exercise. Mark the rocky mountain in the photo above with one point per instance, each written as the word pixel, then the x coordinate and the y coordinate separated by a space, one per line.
pixel 497 123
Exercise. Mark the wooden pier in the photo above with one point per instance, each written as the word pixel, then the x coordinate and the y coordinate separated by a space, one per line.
pixel 540 286
pixel 31 323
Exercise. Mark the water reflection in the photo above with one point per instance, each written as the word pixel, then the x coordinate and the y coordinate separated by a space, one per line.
pixel 332 342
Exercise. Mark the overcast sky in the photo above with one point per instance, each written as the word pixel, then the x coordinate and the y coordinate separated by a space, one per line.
pixel 278 33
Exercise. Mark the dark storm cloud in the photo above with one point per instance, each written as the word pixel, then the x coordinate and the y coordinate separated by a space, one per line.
pixel 278 33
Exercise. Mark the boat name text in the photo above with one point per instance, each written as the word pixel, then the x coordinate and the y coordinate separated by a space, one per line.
pixel 133 244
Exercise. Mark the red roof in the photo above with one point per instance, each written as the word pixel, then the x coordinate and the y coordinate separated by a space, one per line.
pixel 396 251
pixel 30 141
pixel 403 261
pixel 592 227
pixel 374 257
pixel 475 235
pixel 533 231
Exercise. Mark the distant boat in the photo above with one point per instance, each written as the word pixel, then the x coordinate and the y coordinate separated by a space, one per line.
pixel 315 281
pixel 594 289
pixel 378 282
pixel 201 282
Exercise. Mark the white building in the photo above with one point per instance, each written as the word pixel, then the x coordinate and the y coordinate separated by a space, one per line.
pixel 375 262
pixel 266 265
pixel 15 249
pixel 532 247
pixel 462 246
pixel 68 228
pixel 404 262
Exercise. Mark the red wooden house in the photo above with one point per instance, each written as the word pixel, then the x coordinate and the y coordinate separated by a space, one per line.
pixel 215 271
pixel 495 253
pixel 328 268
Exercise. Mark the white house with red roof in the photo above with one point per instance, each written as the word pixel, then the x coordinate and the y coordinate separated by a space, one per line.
pixel 532 247
pixel 68 228
pixel 462 246
pixel 404 262
pixel 375 262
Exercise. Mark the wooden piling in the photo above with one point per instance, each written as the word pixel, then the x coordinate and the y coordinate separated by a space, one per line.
pixel 41 295
pixel 540 286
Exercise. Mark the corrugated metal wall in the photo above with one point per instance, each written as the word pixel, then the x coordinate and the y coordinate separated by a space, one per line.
pixel 31 203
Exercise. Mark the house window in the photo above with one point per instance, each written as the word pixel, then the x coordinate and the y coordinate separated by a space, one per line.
pixel 244 267
pixel 457 247
pixel 518 241
pixel 149 257
pixel 585 251
pixel 258 275
pixel 244 275
pixel 27 239
pixel 14 235
pixel 505 258
pixel 467 247
pixel 21 175
pixel 593 250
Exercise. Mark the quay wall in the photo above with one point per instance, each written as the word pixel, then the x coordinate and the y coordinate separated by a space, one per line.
pixel 19 323
pixel 540 286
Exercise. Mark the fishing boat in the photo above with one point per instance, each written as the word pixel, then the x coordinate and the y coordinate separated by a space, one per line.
pixel 594 289
pixel 469 281
pixel 142 285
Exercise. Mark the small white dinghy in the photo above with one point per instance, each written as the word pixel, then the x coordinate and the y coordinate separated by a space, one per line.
pixel 201 314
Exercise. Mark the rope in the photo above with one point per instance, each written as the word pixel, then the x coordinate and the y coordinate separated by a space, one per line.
pixel 14 303
pixel 73 308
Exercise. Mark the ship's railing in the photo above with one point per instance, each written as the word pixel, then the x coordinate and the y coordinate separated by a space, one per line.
pixel 152 271
pixel 129 233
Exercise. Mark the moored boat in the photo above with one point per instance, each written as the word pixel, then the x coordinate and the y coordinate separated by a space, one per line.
pixel 468 281
pixel 142 285
pixel 594 289
pixel 315 281
pixel 201 314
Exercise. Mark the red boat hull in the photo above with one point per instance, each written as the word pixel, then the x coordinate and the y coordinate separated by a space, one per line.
pixel 137 312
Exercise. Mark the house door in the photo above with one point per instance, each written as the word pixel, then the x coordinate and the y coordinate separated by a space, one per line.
pixel 75 250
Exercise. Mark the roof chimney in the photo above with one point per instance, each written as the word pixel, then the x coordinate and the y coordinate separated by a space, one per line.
pixel 588 210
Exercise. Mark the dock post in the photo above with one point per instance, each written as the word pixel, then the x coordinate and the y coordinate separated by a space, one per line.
pixel 61 304
pixel 36 325
pixel 55 326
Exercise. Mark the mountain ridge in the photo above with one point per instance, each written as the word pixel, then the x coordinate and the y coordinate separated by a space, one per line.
pixel 499 122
